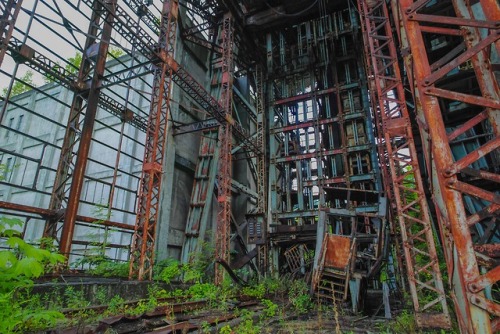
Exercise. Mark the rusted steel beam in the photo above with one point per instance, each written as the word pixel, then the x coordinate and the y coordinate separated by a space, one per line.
pixel 305 96
pixel 86 133
pixel 453 21
pixel 143 243
pixel 224 177
pixel 442 31
pixel 491 250
pixel 473 156
pixel 467 188
pixel 298 157
pixel 44 213
pixel 66 162
pixel 468 125
pixel 491 9
pixel 481 174
pixel 261 219
pixel 488 279
pixel 304 125
pixel 431 78
pixel 467 98
pixel 475 313
pixel 489 211
pixel 48 213
pixel 412 210
pixel 9 11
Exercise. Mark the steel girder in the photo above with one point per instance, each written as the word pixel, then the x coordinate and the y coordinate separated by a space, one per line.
pixel 412 211
pixel 458 179
pixel 8 16
pixel 66 163
pixel 142 252
pixel 224 177
pixel 101 14
pixel 262 253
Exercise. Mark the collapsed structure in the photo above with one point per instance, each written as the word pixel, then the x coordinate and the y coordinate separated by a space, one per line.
pixel 332 140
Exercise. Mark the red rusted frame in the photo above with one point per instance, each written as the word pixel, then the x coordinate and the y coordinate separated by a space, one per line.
pixel 443 31
pixel 491 9
pixel 475 313
pixel 468 125
pixel 453 21
pixel 8 19
pixel 143 243
pixel 47 213
pixel 389 104
pixel 87 130
pixel 431 78
pixel 66 162
pixel 489 211
pixel 222 242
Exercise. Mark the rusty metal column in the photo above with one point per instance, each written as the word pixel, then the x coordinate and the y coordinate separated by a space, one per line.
pixel 262 246
pixel 222 238
pixel 9 11
pixel 87 131
pixel 424 279
pixel 475 312
pixel 142 252
pixel 72 136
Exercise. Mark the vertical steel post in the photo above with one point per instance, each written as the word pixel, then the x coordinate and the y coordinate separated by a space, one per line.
pixel 143 243
pixel 222 237
pixel 9 11
pixel 424 276
pixel 262 256
pixel 475 312
pixel 87 131
pixel 65 167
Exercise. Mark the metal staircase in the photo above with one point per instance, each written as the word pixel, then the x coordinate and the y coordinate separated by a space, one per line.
pixel 331 281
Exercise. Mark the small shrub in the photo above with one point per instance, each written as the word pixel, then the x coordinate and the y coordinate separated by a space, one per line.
pixel 116 305
pixel 171 271
pixel 18 266
pixel 299 296
pixel 109 268
pixel 271 308
pixel 256 291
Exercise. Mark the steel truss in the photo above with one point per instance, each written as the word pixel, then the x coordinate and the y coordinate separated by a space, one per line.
pixel 142 252
pixel 104 15
pixel 224 177
pixel 412 211
pixel 469 233
pixel 8 16
pixel 262 243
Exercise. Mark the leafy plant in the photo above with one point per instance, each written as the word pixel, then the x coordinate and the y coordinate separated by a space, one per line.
pixel 116 305
pixel 23 261
pixel 247 325
pixel 203 291
pixel 109 268
pixel 299 296
pixel 18 266
pixel 171 270
pixel 226 330
pixel 271 308
pixel 257 291
pixel 75 299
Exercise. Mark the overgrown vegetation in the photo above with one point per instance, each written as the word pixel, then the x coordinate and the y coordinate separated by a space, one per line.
pixel 19 265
